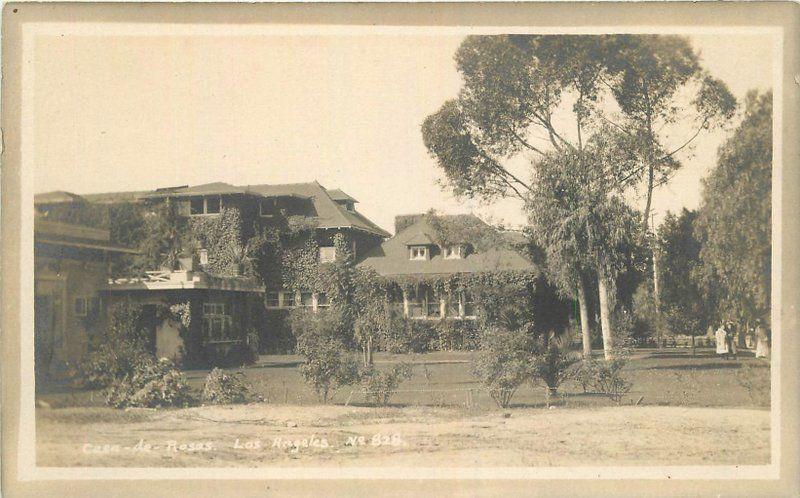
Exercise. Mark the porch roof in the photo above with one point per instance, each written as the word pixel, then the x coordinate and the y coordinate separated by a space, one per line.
pixel 181 279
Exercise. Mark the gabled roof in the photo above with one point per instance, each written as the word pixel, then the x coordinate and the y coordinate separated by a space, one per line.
pixel 338 195
pixel 215 188
pixel 329 213
pixel 56 197
pixel 392 258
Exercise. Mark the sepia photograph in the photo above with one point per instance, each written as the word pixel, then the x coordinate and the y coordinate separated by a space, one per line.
pixel 344 249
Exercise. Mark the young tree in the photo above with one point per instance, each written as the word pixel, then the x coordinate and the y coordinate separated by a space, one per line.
pixel 733 224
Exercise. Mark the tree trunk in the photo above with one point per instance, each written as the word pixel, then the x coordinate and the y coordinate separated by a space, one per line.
pixel 693 348
pixel 584 317
pixel 369 351
pixel 605 317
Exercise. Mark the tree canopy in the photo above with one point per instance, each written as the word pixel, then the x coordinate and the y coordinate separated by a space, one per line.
pixel 734 223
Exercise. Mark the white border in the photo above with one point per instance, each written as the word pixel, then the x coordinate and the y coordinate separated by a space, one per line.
pixel 27 444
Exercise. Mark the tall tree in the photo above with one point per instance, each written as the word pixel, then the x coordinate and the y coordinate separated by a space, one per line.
pixel 582 225
pixel 733 225
pixel 518 88
pixel 652 79
pixel 683 303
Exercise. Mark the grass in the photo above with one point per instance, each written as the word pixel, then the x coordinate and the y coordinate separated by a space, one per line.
pixel 694 410
pixel 660 377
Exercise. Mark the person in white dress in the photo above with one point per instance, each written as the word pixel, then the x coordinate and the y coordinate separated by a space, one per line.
pixel 762 340
pixel 721 338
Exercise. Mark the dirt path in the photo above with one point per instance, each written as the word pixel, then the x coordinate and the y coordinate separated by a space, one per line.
pixel 275 435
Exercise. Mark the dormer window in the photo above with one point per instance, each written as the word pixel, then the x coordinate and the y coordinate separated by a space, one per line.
pixel 418 253
pixel 453 252
pixel 199 206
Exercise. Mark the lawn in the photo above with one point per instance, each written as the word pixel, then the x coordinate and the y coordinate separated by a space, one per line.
pixel 660 377
pixel 682 410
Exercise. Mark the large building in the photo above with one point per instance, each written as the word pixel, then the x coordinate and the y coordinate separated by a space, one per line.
pixel 220 265
pixel 71 267
pixel 212 274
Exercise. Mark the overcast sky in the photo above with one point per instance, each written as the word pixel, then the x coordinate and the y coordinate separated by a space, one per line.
pixel 130 113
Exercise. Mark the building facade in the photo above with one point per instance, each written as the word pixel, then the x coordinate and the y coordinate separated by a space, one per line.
pixel 71 267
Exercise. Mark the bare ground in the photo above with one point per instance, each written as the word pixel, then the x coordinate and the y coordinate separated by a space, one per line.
pixel 423 436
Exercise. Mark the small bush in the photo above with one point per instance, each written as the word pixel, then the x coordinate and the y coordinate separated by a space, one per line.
pixel 503 363
pixel 153 384
pixel 605 377
pixel 379 386
pixel 222 388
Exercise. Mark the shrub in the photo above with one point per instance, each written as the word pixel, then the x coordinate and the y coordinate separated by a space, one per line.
pixel 551 364
pixel 610 381
pixel 605 377
pixel 379 386
pixel 407 336
pixel 112 361
pixel 503 362
pixel 222 388
pixel 120 351
pixel 152 384
pixel 327 364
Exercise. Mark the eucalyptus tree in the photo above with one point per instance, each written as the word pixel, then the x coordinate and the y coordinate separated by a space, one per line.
pixel 733 224
pixel 531 97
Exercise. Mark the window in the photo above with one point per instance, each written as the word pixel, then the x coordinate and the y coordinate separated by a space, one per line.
pixel 94 305
pixel 213 205
pixel 452 306
pixel 418 252
pixel 306 299
pixel 287 299
pixel 205 205
pixel 197 206
pixel 272 300
pixel 81 306
pixel 433 304
pixel 350 206
pixel 267 207
pixel 327 254
pixel 468 304
pixel 203 256
pixel 416 303
pixel 422 303
pixel 217 322
pixel 322 300
pixel 452 252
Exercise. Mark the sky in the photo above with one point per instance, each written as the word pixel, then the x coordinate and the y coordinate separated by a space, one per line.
pixel 116 113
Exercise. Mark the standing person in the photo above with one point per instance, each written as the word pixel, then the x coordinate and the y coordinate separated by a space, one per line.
pixel 762 340
pixel 721 338
pixel 730 341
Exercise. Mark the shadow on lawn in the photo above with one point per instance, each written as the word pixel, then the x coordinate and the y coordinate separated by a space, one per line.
pixel 730 365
